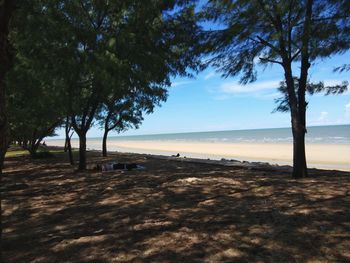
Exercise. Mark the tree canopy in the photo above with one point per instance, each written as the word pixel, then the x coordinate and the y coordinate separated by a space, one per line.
pixel 89 53
pixel 274 32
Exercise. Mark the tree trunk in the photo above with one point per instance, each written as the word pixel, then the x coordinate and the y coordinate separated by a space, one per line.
pixel 65 148
pixel 104 143
pixel 67 141
pixel 34 144
pixel 82 150
pixel 7 8
pixel 70 153
pixel 299 122
pixel 299 156
pixel 3 125
pixel 68 146
pixel 297 107
pixel 299 130
pixel 33 148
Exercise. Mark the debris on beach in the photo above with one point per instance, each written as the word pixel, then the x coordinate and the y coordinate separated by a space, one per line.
pixel 107 167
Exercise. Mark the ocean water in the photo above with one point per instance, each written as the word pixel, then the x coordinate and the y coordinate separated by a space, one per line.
pixel 335 134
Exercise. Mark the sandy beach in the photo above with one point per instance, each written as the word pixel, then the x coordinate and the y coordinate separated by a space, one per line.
pixel 326 156
pixel 171 211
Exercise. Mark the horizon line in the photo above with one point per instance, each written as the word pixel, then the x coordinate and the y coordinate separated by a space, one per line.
pixel 171 133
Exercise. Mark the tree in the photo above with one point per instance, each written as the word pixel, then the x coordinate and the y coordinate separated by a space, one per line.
pixel 67 144
pixel 145 42
pixel 7 8
pixel 118 115
pixel 125 109
pixel 34 109
pixel 80 47
pixel 34 98
pixel 286 33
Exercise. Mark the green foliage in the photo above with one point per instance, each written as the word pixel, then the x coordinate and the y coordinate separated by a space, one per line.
pixel 311 88
pixel 273 32
pixel 88 58
pixel 344 67
pixel 125 106
pixel 35 102
pixel 34 110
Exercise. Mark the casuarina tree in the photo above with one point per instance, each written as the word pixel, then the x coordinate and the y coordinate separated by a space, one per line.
pixel 95 43
pixel 291 34
pixel 7 8
pixel 125 107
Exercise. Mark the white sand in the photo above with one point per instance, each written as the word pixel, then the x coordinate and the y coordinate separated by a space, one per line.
pixel 330 156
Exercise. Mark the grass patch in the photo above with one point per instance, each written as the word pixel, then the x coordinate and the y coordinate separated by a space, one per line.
pixel 43 152
pixel 62 153
pixel 15 153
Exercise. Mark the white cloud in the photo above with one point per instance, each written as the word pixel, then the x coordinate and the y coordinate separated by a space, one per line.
pixel 260 89
pixel 210 75
pixel 331 82
pixel 323 117
pixel 235 87
pixel 269 95
pixel 345 119
pixel 180 83
pixel 231 89
pixel 347 112
pixel 256 60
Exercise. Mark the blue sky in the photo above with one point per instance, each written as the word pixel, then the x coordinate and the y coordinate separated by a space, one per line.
pixel 212 103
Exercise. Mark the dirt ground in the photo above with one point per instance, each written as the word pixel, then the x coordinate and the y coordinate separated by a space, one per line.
pixel 171 212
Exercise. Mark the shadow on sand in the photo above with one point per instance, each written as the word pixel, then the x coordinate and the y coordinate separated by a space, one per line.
pixel 172 212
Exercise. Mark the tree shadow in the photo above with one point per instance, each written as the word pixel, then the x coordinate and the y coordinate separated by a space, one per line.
pixel 172 212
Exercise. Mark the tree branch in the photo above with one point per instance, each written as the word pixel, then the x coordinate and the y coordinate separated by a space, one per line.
pixel 295 55
pixel 266 43
pixel 271 60
pixel 268 14
pixel 87 14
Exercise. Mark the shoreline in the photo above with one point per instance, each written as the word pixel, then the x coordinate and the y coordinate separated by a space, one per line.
pixel 320 156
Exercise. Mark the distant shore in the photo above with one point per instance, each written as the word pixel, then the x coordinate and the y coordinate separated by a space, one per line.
pixel 321 156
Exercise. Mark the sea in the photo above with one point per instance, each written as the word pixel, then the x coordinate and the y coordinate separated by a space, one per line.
pixel 333 134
